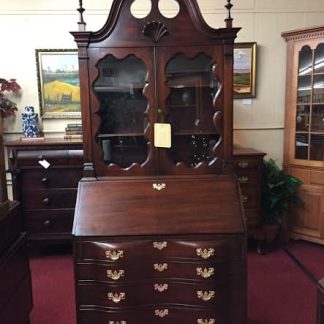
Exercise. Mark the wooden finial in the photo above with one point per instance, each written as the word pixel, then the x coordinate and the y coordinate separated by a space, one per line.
pixel 81 23
pixel 229 19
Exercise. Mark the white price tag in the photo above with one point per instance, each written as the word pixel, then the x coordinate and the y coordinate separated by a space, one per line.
pixel 162 135
pixel 45 164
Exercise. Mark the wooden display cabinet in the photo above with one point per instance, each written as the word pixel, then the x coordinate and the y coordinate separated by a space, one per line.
pixel 159 190
pixel 304 129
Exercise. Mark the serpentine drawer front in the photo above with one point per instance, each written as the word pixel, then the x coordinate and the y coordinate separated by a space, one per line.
pixel 178 263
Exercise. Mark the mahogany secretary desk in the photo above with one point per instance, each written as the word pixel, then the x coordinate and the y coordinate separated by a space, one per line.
pixel 159 233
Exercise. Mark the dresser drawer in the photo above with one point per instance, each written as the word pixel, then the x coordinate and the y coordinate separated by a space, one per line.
pixel 247 178
pixel 49 199
pixel 50 178
pixel 49 221
pixel 121 272
pixel 207 294
pixel 161 313
pixel 224 247
pixel 55 157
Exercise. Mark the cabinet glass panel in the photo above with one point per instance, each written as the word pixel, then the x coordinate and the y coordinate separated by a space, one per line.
pixel 318 89
pixel 304 75
pixel 319 59
pixel 317 147
pixel 302 143
pixel 302 118
pixel 119 89
pixel 193 87
pixel 318 119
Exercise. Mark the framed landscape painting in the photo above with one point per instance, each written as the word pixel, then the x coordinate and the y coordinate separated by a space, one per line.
pixel 244 70
pixel 58 83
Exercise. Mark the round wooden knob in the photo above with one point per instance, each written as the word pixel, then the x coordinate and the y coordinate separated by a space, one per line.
pixel 47 223
pixel 46 201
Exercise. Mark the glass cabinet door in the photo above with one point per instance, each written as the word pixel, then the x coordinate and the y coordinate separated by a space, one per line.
pixel 119 88
pixel 193 88
pixel 309 144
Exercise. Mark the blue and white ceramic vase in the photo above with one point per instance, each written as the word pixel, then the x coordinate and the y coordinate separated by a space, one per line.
pixel 29 122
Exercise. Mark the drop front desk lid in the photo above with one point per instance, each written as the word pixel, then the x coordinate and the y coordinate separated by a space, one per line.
pixel 159 206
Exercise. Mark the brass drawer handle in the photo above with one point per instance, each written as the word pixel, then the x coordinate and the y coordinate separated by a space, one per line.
pixel 160 266
pixel 243 179
pixel 206 295
pixel 117 297
pixel 245 199
pixel 243 164
pixel 158 186
pixel 117 322
pixel 161 287
pixel 205 273
pixel 115 275
pixel 114 255
pixel 160 245
pixel 161 312
pixel 204 253
pixel 206 321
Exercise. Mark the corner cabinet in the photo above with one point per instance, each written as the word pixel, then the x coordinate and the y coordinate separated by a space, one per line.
pixel 304 129
pixel 158 211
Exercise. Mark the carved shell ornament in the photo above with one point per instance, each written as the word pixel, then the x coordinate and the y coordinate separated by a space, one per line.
pixel 155 30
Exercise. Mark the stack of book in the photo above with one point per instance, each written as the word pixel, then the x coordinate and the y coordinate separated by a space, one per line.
pixel 73 131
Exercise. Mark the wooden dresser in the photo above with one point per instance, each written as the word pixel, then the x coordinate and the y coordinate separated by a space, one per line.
pixel 149 255
pixel 47 195
pixel 248 165
pixel 15 278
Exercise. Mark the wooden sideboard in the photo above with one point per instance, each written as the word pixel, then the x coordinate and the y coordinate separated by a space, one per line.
pixel 320 302
pixel 15 277
pixel 248 166
pixel 160 249
pixel 47 195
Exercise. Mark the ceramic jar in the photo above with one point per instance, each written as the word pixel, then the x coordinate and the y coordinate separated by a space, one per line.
pixel 29 122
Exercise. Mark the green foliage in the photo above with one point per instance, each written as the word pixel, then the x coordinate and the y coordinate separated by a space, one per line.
pixel 279 192
pixel 7 106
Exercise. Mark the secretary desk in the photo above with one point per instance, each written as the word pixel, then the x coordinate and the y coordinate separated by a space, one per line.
pixel 159 234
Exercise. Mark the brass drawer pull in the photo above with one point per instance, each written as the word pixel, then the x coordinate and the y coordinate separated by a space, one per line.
pixel 243 164
pixel 206 321
pixel 117 322
pixel 243 179
pixel 161 312
pixel 160 245
pixel 205 273
pixel 158 186
pixel 204 253
pixel 160 266
pixel 161 287
pixel 117 297
pixel 205 295
pixel 245 199
pixel 114 255
pixel 115 275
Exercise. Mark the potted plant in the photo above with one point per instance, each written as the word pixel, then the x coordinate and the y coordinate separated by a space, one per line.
pixel 8 88
pixel 278 195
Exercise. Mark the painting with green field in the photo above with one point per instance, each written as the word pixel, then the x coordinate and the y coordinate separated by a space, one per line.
pixel 244 70
pixel 59 85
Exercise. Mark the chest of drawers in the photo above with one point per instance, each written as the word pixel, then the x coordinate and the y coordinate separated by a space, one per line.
pixel 248 164
pixel 47 195
pixel 176 253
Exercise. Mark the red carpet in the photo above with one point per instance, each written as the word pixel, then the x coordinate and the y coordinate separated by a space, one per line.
pixel 279 292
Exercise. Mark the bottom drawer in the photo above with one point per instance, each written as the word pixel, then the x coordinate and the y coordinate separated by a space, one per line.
pixel 163 314
pixel 49 221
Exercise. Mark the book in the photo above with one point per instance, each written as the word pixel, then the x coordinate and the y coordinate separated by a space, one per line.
pixel 79 136
pixel 32 139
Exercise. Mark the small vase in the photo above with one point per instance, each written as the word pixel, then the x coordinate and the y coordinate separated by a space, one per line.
pixel 29 122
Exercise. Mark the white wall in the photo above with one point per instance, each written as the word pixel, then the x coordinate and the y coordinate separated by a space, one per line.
pixel 27 25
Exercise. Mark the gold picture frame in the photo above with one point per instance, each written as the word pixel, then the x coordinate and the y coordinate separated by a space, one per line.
pixel 244 70
pixel 58 83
